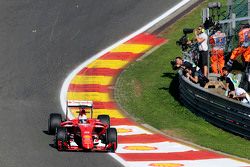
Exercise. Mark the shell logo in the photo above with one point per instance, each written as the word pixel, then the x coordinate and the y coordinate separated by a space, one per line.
pixel 140 148
pixel 165 165
pixel 123 130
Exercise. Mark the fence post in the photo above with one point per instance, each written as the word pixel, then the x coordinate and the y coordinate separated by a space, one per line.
pixel 205 14
pixel 233 23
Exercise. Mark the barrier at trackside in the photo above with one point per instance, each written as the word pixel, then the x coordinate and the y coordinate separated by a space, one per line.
pixel 221 111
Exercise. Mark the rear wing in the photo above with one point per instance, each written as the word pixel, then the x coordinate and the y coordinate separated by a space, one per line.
pixel 79 103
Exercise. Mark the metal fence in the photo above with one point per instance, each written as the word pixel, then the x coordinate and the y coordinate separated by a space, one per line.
pixel 230 16
pixel 221 111
pixel 237 9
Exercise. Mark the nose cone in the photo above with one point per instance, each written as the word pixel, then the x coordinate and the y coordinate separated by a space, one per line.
pixel 87 142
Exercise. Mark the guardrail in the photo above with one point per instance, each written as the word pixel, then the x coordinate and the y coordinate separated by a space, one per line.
pixel 221 111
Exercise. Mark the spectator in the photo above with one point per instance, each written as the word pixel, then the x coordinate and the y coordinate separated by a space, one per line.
pixel 229 81
pixel 196 76
pixel 202 40
pixel 180 63
pixel 192 74
pixel 241 95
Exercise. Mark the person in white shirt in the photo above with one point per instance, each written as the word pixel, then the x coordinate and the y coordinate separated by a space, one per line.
pixel 202 40
pixel 241 95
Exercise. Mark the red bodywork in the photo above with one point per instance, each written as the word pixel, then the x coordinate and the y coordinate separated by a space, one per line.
pixel 88 136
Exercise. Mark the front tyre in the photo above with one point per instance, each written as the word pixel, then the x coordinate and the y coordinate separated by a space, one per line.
pixel 61 138
pixel 111 138
pixel 54 122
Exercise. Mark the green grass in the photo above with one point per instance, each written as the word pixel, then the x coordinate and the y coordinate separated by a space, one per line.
pixel 144 90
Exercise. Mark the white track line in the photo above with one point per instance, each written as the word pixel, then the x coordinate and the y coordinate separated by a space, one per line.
pixel 66 83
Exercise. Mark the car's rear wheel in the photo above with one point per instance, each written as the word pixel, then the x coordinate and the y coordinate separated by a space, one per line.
pixel 61 138
pixel 54 122
pixel 111 138
pixel 105 119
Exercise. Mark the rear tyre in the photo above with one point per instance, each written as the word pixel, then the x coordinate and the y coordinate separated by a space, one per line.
pixel 61 138
pixel 54 122
pixel 105 119
pixel 111 138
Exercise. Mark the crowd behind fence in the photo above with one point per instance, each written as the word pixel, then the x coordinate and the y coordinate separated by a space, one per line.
pixel 226 113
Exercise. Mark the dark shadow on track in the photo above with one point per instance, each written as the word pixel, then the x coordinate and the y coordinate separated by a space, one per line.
pixel 52 146
pixel 46 132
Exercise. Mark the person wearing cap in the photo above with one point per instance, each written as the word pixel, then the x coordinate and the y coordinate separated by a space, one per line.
pixel 191 74
pixel 202 40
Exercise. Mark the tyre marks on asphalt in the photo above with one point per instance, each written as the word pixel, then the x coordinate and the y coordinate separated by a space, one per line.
pixel 137 146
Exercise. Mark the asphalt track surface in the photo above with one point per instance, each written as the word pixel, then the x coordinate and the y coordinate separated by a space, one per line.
pixel 41 41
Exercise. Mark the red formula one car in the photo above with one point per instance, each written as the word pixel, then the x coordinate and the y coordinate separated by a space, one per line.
pixel 82 133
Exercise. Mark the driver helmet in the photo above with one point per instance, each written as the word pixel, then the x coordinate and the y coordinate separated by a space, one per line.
pixel 82 111
pixel 82 119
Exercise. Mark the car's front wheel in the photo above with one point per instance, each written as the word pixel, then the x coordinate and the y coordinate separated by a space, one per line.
pixel 111 138
pixel 54 122
pixel 61 138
